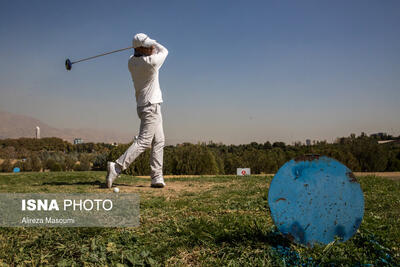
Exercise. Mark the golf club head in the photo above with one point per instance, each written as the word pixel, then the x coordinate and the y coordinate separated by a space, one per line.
pixel 68 64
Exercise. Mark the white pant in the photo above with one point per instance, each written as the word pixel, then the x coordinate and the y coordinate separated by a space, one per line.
pixel 151 135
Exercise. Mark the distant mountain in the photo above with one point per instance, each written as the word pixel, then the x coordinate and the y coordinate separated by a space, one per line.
pixel 15 126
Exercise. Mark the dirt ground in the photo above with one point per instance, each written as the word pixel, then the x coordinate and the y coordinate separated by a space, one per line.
pixel 388 175
pixel 172 190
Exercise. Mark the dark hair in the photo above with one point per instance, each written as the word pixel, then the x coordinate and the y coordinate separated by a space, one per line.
pixel 137 53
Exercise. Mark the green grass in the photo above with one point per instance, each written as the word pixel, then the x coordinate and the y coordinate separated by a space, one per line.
pixel 204 221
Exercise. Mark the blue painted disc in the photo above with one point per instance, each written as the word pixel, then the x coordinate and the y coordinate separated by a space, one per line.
pixel 313 199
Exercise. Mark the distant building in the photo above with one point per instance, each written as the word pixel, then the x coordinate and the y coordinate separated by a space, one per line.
pixel 78 141
pixel 308 142
pixel 37 132
pixel 379 135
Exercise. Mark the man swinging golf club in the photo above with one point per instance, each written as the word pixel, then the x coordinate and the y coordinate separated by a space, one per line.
pixel 144 66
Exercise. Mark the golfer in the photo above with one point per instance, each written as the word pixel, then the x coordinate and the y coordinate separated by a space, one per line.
pixel 144 66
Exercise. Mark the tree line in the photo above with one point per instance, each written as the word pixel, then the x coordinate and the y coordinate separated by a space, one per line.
pixel 359 153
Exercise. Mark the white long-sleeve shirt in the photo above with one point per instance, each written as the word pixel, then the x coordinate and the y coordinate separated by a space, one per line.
pixel 144 71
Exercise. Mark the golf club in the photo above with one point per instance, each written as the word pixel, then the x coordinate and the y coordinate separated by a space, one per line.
pixel 68 63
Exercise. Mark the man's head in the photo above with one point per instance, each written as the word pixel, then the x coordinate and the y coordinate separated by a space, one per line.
pixel 143 44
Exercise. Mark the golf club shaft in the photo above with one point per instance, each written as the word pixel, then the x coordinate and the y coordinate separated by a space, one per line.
pixel 84 59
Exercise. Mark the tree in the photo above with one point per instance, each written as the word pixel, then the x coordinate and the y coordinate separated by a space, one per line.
pixel 100 162
pixel 27 165
pixel 54 166
pixel 279 144
pixel 9 152
pixel 267 145
pixel 6 166
pixel 70 162
pixel 36 163
pixel 82 166
pixel 208 163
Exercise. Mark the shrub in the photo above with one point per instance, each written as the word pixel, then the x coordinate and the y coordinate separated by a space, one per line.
pixel 18 164
pixel 54 166
pixel 36 163
pixel 82 166
pixel 6 166
pixel 100 162
pixel 70 162
pixel 27 165
pixel 85 165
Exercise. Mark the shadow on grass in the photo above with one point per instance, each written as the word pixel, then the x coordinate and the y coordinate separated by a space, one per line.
pixel 93 183
pixel 233 231
pixel 272 238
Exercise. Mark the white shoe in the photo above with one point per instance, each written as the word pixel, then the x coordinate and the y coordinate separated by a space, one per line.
pixel 112 173
pixel 157 182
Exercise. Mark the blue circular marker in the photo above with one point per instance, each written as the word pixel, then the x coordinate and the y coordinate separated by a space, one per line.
pixel 16 169
pixel 313 199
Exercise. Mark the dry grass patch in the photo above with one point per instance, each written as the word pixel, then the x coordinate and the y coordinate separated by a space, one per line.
pixel 173 189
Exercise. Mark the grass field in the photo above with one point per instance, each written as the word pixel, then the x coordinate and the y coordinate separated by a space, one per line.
pixel 208 221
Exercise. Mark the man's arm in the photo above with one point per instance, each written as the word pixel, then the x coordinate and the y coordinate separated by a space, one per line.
pixel 159 57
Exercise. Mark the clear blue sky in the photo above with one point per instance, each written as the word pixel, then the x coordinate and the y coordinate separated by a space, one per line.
pixel 237 71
